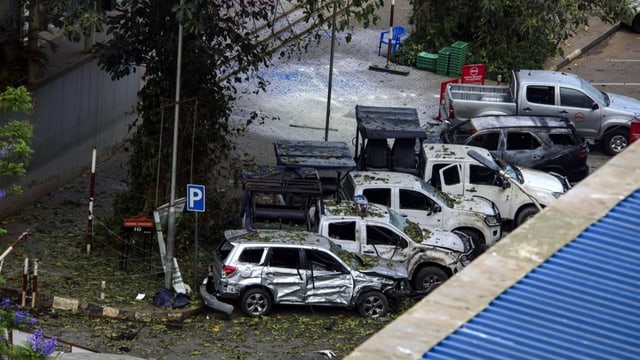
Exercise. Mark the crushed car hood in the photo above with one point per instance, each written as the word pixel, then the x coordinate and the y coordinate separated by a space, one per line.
pixel 476 204
pixel 540 180
pixel 443 239
pixel 384 267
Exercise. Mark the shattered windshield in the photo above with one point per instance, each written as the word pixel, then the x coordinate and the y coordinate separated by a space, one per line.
pixel 510 170
pixel 397 220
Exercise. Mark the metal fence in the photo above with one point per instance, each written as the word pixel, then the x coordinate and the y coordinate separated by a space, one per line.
pixel 75 111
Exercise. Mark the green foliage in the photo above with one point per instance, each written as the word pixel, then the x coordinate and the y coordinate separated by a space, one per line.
pixel 15 135
pixel 507 34
pixel 221 48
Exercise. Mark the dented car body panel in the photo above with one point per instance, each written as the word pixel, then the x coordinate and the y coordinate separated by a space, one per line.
pixel 449 168
pixel 378 230
pixel 299 267
pixel 422 203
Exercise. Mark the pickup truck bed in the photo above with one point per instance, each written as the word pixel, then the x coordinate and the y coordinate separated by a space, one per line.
pixel 481 93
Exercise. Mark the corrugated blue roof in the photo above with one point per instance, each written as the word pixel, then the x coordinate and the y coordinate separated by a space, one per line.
pixel 582 303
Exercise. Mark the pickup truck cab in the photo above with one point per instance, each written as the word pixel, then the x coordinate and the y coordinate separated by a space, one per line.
pixel 597 115
pixel 431 256
pixel 450 169
pixel 421 203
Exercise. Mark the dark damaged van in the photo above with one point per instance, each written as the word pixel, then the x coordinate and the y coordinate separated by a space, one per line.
pixel 547 143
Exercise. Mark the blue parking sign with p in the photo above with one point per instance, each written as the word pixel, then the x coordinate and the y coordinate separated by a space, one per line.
pixel 195 197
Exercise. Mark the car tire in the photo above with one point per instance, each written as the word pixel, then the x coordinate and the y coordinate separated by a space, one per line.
pixel 373 304
pixel 256 302
pixel 525 214
pixel 615 141
pixel 429 278
pixel 479 244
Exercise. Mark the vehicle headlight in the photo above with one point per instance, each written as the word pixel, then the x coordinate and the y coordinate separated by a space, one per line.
pixel 491 220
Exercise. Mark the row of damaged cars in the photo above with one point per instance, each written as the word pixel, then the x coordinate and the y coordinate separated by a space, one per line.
pixel 324 227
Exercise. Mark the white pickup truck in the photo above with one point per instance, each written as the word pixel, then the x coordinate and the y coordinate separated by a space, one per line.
pixel 431 256
pixel 421 203
pixel 450 169
pixel 597 115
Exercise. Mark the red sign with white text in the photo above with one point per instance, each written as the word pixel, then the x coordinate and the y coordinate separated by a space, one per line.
pixel 473 73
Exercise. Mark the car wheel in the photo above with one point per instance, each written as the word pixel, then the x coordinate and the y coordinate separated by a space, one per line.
pixel 636 24
pixel 429 278
pixel 256 302
pixel 479 245
pixel 525 214
pixel 373 304
pixel 615 141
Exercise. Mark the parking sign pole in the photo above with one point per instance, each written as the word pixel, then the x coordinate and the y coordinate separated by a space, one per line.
pixel 195 202
pixel 195 265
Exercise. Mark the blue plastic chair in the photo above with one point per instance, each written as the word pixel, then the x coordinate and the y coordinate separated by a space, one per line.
pixel 398 33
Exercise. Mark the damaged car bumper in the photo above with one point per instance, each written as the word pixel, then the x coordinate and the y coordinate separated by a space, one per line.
pixel 211 301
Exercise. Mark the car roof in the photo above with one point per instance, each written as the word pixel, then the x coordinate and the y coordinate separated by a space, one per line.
pixel 380 122
pixel 346 209
pixel 508 121
pixel 277 237
pixel 548 77
pixel 453 152
pixel 386 177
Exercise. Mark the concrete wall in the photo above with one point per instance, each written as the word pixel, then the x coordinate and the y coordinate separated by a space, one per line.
pixel 77 108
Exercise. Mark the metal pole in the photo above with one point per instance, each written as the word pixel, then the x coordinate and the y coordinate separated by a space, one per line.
pixel 333 43
pixel 393 2
pixel 91 195
pixel 171 226
pixel 195 267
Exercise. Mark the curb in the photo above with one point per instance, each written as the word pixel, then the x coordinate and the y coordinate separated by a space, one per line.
pixel 578 52
pixel 103 310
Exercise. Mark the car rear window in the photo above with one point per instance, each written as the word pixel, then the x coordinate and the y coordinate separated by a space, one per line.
pixel 251 255
pixel 224 249
pixel 563 139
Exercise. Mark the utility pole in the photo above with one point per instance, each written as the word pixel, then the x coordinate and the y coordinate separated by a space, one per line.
pixel 333 43
pixel 171 220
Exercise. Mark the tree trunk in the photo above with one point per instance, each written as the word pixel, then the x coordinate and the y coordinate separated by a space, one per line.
pixel 32 36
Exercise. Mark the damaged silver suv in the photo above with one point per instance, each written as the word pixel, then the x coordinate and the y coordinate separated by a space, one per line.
pixel 266 267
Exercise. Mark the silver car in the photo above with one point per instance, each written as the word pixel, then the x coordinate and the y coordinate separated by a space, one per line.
pixel 266 267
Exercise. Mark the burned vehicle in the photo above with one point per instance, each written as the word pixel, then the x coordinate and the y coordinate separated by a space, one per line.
pixel 388 138
pixel 332 159
pixel 266 267
pixel 546 143
pixel 279 196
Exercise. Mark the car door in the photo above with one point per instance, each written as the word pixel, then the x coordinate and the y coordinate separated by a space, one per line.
pixel 578 107
pixel 418 207
pixel 328 280
pixel 344 233
pixel 539 100
pixel 522 147
pixel 284 275
pixel 486 182
pixel 384 241
pixel 449 178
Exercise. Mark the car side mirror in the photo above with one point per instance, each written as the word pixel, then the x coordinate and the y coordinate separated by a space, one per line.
pixel 595 106
pixel 505 184
pixel 436 208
